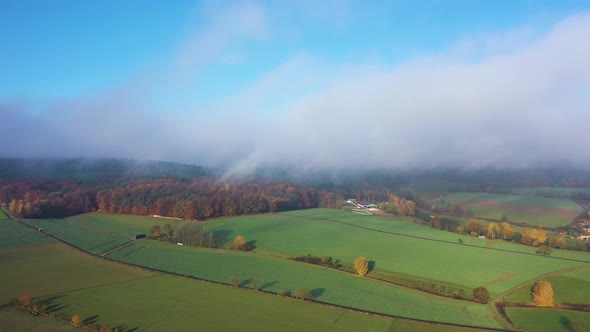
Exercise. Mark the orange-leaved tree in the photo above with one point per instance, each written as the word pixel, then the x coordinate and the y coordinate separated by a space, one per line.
pixel 240 244
pixel 76 320
pixel 361 266
pixel 543 294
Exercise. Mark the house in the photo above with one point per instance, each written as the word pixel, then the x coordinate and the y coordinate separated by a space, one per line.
pixel 372 206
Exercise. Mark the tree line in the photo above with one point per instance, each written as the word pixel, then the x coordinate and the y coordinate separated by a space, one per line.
pixel 188 199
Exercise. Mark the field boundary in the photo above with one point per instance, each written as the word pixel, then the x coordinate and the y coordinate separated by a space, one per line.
pixel 266 292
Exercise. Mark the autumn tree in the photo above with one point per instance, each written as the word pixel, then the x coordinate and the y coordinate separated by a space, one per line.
pixel 542 294
pixel 544 250
pixel 361 266
pixel 557 241
pixel 192 233
pixel 168 230
pixel 473 227
pixel 76 320
pixel 155 231
pixel 461 229
pixel 493 230
pixel 303 293
pixel 240 244
pixel 481 294
pixel 505 231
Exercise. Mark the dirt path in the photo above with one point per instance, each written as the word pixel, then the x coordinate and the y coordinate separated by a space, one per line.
pixel 499 298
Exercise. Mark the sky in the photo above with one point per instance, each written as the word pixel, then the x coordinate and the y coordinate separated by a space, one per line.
pixel 309 84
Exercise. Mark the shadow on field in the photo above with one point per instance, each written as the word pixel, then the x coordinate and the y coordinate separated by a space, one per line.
pixel 221 236
pixel 252 244
pixel 268 284
pixel 124 328
pixel 371 265
pixel 317 292
pixel 245 282
pixel 90 320
pixel 52 304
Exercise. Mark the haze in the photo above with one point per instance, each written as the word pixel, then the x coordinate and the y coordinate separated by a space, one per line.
pixel 338 85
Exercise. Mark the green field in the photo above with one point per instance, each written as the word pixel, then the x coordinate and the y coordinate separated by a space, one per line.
pixel 400 248
pixel 532 191
pixel 15 320
pixel 453 263
pixel 549 320
pixel 179 304
pixel 276 274
pixel 3 215
pixel 98 233
pixel 40 270
pixel 550 212
pixel 106 293
pixel 566 289
pixel 14 234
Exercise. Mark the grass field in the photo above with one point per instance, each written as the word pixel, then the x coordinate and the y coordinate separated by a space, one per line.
pixel 15 320
pixel 179 304
pixel 46 269
pixel 566 289
pixel 276 274
pixel 532 191
pixel 3 215
pixel 107 293
pixel 550 212
pixel 98 233
pixel 14 234
pixel 549 320
pixel 454 263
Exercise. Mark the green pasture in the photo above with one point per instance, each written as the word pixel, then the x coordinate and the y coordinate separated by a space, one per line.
pixel 565 290
pixel 98 233
pixel 532 191
pixel 549 320
pixel 179 304
pixel 3 215
pixel 46 269
pixel 551 212
pixel 14 234
pixel 583 274
pixel 16 320
pixel 328 285
pixel 299 232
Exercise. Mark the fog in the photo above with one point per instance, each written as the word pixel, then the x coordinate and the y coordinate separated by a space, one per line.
pixel 496 101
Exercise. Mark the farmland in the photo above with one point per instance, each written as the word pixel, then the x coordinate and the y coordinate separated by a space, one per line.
pixel 15 320
pixel 13 234
pixel 566 289
pixel 549 212
pixel 112 294
pixel 549 320
pixel 328 285
pixel 97 233
pixel 49 262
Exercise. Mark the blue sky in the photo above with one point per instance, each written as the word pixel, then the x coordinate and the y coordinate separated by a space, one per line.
pixel 61 49
pixel 94 78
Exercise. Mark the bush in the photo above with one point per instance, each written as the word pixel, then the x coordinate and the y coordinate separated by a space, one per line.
pixel 302 293
pixel 481 294
pixel 283 293
pixel 235 281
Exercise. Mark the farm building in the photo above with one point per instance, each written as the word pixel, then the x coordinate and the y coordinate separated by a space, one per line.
pixel 137 236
